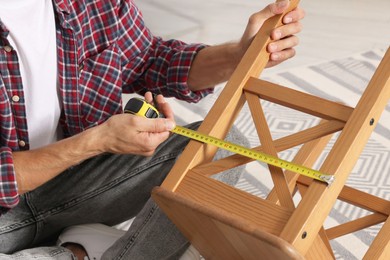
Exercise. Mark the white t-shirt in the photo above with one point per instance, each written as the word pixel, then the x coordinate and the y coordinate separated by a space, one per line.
pixel 32 34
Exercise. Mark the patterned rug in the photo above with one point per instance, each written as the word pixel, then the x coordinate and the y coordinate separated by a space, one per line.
pixel 342 80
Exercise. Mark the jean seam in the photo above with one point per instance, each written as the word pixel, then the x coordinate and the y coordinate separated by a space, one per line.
pixel 130 242
pixel 15 226
pixel 24 223
pixel 55 253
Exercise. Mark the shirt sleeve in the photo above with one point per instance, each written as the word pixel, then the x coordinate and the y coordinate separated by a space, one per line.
pixel 151 63
pixel 9 196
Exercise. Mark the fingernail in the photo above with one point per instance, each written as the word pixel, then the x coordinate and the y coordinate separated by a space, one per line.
pixel 287 19
pixel 272 47
pixel 282 3
pixel 274 56
pixel 169 125
pixel 278 35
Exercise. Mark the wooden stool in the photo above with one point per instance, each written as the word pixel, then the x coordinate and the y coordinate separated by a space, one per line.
pixel 223 222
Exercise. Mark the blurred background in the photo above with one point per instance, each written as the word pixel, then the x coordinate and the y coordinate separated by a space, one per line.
pixel 331 29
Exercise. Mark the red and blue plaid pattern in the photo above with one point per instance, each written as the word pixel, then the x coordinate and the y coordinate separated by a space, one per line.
pixel 104 50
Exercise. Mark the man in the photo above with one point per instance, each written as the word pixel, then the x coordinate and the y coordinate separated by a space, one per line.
pixel 68 154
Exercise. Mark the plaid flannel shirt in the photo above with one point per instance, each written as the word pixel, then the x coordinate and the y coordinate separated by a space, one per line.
pixel 104 50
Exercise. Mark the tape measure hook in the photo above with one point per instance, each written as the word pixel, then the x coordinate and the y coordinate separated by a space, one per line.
pixel 328 179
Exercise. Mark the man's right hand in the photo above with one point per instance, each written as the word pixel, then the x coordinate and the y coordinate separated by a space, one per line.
pixel 131 134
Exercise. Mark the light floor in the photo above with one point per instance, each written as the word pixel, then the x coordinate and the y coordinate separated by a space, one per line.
pixel 332 28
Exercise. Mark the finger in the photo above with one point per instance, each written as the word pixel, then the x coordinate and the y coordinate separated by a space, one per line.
pixel 280 6
pixel 140 135
pixel 159 100
pixel 157 125
pixel 164 107
pixel 148 97
pixel 256 20
pixel 285 43
pixel 286 30
pixel 269 11
pixel 279 57
pixel 294 16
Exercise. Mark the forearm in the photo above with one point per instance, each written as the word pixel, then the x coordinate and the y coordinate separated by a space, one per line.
pixel 213 65
pixel 120 134
pixel 35 167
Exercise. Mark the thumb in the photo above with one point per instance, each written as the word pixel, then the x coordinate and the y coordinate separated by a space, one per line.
pixel 256 20
pixel 273 9
pixel 158 125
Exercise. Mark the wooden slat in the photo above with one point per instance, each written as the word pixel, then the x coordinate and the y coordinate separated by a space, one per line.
pixel 280 183
pixel 319 250
pixel 298 100
pixel 358 198
pixel 325 242
pixel 365 200
pixel 380 247
pixel 355 225
pixel 284 143
pixel 322 233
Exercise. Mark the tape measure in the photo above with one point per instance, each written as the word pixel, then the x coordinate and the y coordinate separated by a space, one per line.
pixel 140 107
pixel 238 149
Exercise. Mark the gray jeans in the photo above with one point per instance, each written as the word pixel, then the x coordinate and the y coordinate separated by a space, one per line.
pixel 106 189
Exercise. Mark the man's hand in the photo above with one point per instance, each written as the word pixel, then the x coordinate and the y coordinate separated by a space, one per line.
pixel 131 134
pixel 284 39
pixel 215 64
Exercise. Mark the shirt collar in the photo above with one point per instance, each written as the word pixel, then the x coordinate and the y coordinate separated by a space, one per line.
pixel 3 33
pixel 62 6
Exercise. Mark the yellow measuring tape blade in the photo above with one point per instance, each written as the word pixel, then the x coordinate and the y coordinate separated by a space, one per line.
pixel 140 107
pixel 256 155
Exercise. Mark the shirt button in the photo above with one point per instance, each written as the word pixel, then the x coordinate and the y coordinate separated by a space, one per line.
pixel 15 98
pixel 22 143
pixel 7 48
